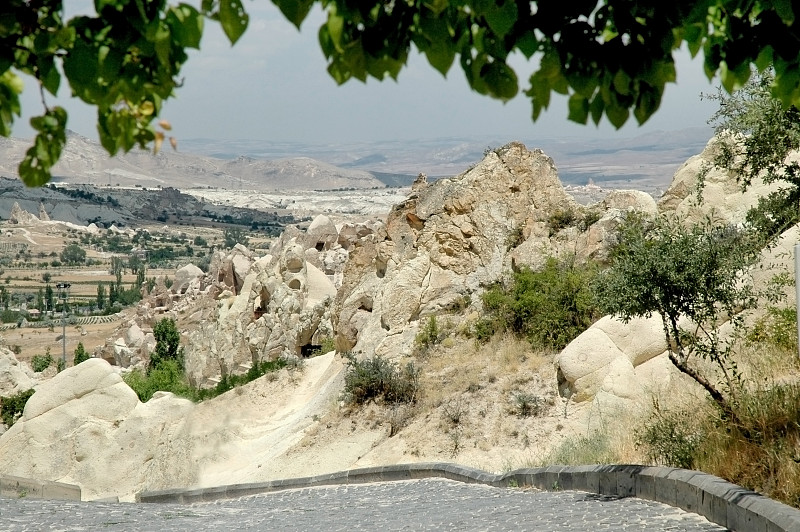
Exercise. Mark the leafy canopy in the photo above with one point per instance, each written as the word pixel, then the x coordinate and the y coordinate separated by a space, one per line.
pixel 612 58
pixel 756 136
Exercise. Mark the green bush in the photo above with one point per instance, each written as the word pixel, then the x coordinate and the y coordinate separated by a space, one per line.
pixel 80 354
pixel 593 449
pixel 11 408
pixel 166 377
pixel 527 404
pixel 229 382
pixel 10 316
pixel 778 328
pixel 41 362
pixel 378 378
pixel 550 307
pixel 561 219
pixel 670 439
pixel 428 336
pixel 168 341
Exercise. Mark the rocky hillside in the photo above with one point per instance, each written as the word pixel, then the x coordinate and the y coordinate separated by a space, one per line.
pixel 369 286
pixel 85 162
pixel 85 204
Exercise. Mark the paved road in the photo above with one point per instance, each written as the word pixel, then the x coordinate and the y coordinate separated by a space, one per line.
pixel 431 504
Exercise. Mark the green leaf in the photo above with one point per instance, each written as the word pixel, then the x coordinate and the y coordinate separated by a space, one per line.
pixel 437 43
pixel 596 108
pixel 501 18
pixel 539 93
pixel 622 82
pixel 528 44
pixel 694 34
pixel 10 88
pixel 500 80
pixel 335 26
pixel 49 76
pixel 233 19
pixel 47 147
pixel 295 11
pixel 186 25
pixel 617 114
pixel 784 10
pixel 764 59
pixel 578 108
pixel 441 56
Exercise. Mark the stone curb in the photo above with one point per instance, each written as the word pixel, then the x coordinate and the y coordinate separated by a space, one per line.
pixel 19 487
pixel 720 502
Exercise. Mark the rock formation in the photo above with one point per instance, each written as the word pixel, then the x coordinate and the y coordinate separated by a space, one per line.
pixel 453 236
pixel 15 377
pixel 85 426
pixel 20 216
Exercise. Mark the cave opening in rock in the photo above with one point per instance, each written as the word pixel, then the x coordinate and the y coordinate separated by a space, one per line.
pixel 310 350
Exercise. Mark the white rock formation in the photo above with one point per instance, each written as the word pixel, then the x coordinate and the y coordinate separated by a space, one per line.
pixel 280 308
pixel 610 357
pixel 87 427
pixel 451 237
pixel 722 196
pixel 15 377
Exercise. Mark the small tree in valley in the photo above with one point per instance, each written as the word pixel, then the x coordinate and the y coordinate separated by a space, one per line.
pixel 80 354
pixel 168 341
pixel 691 278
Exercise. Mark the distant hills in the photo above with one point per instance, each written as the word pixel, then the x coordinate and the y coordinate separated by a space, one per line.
pixel 646 162
pixel 84 161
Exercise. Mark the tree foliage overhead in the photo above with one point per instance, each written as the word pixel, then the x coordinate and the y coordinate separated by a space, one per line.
pixel 611 57
pixel 757 135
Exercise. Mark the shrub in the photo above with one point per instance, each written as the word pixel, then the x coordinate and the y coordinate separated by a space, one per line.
pixel 527 404
pixel 593 449
pixel 40 363
pixel 229 382
pixel 778 328
pixel 561 219
pixel 755 446
pixel 166 377
pixel 550 307
pixel 428 336
pixel 11 408
pixel 378 378
pixel 670 439
pixel 80 354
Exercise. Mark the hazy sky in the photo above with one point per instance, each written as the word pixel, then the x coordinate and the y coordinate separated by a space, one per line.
pixel 273 85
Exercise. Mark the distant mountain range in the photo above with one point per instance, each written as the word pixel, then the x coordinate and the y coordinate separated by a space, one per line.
pixel 84 161
pixel 646 162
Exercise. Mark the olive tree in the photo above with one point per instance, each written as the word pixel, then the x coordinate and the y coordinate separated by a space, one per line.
pixel 73 254
pixel 692 278
pixel 612 58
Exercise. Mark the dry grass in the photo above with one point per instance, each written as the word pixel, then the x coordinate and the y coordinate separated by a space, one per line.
pixel 465 366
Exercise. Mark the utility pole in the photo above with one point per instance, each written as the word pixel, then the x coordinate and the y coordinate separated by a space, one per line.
pixel 63 294
pixel 797 286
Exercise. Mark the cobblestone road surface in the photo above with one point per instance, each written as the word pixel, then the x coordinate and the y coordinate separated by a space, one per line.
pixel 430 504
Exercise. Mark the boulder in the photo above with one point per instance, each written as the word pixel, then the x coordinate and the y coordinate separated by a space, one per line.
pixel 85 426
pixel 15 377
pixel 606 356
pixel 184 277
